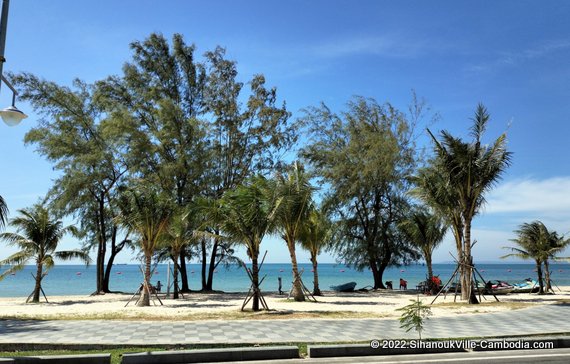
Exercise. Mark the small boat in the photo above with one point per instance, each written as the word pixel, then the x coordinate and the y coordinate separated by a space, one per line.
pixel 496 288
pixel 347 287
pixel 528 286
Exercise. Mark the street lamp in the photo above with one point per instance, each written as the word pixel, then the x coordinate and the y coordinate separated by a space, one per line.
pixel 10 115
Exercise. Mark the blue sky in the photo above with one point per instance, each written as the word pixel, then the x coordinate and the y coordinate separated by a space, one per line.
pixel 510 55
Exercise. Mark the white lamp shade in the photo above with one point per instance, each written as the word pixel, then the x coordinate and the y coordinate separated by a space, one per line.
pixel 12 116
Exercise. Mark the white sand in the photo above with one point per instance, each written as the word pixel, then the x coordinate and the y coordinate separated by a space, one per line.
pixel 227 306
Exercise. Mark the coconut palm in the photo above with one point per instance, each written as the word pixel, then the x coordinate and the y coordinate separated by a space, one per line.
pixel 3 213
pixel 248 215
pixel 425 231
pixel 38 235
pixel 469 170
pixel 316 233
pixel 555 245
pixel 294 199
pixel 146 214
pixel 177 236
pixel 534 241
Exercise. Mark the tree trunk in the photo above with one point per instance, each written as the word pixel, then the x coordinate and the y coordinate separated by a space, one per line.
pixel 212 266
pixel 38 286
pixel 145 293
pixel 539 274
pixel 255 283
pixel 378 284
pixel 204 258
pixel 380 273
pixel 183 271
pixel 316 289
pixel 547 285
pixel 466 273
pixel 297 292
pixel 429 267
pixel 175 294
pixel 114 251
pixel 102 247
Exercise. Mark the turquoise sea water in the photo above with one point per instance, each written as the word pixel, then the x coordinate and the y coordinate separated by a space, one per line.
pixel 80 280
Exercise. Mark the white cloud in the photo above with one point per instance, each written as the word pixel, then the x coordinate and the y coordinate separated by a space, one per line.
pixel 548 197
pixel 510 58
pixel 387 46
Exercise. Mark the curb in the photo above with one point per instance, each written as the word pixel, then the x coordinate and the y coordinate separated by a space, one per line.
pixel 62 359
pixel 212 355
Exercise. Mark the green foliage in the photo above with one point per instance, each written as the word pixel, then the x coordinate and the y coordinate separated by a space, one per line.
pixel 38 235
pixel 316 232
pixel 248 213
pixel 146 214
pixel 414 315
pixel 293 205
pixel 364 155
pixel 76 135
pixel 37 239
pixel 536 242
pixel 458 178
pixel 425 231
pixel 3 212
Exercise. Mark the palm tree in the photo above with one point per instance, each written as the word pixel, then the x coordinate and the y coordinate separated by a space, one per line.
pixel 316 233
pixel 534 241
pixel 38 237
pixel 146 214
pixel 294 191
pixel 248 215
pixel 3 213
pixel 470 170
pixel 556 244
pixel 425 231
pixel 177 236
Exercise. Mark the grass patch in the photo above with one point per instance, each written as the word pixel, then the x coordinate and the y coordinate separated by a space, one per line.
pixel 117 352
pixel 484 304
pixel 233 315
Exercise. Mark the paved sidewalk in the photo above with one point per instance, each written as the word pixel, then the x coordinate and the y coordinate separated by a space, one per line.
pixel 547 319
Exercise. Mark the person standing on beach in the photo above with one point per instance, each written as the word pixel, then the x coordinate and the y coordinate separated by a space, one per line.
pixel 158 286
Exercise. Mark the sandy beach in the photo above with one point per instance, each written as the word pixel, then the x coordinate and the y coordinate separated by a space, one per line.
pixel 198 306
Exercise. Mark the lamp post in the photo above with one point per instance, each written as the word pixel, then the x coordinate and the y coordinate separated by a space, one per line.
pixel 10 115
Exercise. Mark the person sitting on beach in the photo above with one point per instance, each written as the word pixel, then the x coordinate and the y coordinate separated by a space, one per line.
pixel 389 285
pixel 403 284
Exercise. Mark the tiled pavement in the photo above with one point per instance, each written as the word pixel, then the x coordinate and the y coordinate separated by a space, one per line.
pixel 548 319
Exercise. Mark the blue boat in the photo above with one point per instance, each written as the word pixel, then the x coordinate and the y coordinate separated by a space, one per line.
pixel 347 287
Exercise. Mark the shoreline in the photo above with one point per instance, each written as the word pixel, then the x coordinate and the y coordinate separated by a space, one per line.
pixel 197 306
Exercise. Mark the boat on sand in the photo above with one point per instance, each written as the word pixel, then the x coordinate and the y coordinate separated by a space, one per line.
pixel 346 287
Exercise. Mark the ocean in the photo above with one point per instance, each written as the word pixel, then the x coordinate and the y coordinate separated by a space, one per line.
pixel 80 280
